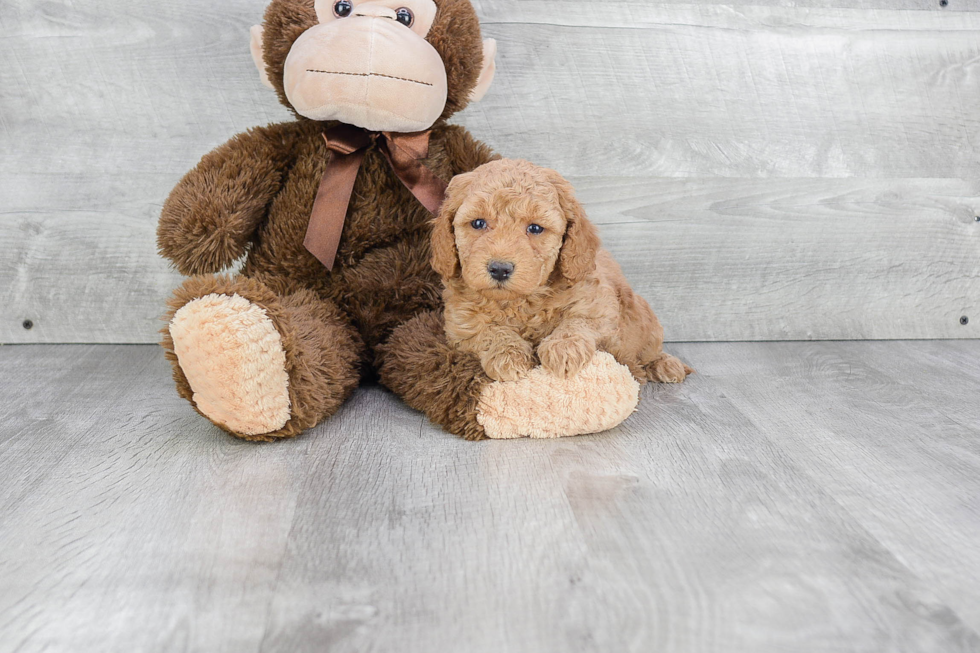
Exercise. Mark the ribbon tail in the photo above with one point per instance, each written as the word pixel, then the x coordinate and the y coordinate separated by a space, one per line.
pixel 348 145
pixel 403 153
pixel 330 207
pixel 427 189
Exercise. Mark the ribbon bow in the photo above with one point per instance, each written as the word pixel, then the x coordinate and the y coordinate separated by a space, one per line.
pixel 349 144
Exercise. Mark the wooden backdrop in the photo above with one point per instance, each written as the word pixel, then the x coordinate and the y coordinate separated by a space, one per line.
pixel 762 171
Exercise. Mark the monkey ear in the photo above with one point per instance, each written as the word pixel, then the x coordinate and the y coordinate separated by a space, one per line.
pixel 487 72
pixel 257 57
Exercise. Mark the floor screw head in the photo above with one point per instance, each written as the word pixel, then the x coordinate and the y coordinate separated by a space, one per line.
pixel 28 324
pixel 964 320
pixel 943 3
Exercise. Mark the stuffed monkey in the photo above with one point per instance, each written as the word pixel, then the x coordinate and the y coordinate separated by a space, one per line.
pixel 331 214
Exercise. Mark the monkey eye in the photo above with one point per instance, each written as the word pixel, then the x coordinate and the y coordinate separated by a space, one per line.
pixel 405 16
pixel 479 224
pixel 535 229
pixel 342 8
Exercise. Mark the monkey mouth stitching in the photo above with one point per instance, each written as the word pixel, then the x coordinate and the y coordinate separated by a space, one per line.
pixel 336 72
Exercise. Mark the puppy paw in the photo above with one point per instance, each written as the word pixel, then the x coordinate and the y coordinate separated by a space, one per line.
pixel 509 363
pixel 668 369
pixel 565 356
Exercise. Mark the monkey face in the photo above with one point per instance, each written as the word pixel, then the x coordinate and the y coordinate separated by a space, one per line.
pixel 383 65
pixel 368 64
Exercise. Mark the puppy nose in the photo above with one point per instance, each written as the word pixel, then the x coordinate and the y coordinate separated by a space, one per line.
pixel 500 270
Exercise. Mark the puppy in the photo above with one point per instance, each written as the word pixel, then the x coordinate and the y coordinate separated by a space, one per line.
pixel 526 281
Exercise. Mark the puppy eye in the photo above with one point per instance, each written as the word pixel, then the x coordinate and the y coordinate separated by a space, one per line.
pixel 535 229
pixel 405 16
pixel 479 224
pixel 342 8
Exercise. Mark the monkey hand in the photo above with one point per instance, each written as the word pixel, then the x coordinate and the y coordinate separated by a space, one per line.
pixel 212 214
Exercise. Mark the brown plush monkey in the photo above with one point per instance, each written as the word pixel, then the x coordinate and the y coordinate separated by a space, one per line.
pixel 272 351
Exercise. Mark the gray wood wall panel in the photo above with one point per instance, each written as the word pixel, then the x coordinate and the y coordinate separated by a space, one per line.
pixel 634 88
pixel 787 259
pixel 810 167
pixel 906 5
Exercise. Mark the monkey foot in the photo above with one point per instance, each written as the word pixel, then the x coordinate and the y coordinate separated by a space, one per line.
pixel 233 358
pixel 540 405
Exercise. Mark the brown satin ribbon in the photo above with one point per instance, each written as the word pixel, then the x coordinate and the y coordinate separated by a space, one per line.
pixel 349 144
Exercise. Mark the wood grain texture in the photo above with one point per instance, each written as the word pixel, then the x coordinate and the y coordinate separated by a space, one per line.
pixel 649 89
pixel 797 259
pixel 915 5
pixel 718 259
pixel 125 525
pixel 854 110
pixel 99 118
pixel 888 429
pixel 790 497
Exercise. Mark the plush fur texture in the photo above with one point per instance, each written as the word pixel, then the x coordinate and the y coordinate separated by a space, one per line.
pixel 369 69
pixel 565 297
pixel 429 375
pixel 541 405
pixel 455 35
pixel 232 356
pixel 252 197
pixel 323 352
pixel 378 310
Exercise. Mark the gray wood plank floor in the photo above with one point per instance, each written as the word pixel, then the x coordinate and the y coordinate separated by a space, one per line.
pixel 790 497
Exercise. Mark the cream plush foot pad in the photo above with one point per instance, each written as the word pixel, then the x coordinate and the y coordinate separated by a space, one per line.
pixel 232 356
pixel 598 398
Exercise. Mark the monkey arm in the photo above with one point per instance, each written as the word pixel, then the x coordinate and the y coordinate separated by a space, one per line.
pixel 213 213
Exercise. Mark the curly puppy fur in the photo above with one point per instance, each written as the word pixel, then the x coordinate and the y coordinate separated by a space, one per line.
pixel 526 281
pixel 252 197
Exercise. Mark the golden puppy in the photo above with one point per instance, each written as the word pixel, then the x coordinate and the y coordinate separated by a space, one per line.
pixel 524 274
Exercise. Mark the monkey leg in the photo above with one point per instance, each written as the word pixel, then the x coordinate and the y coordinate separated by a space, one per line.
pixel 259 365
pixel 418 364
pixel 451 388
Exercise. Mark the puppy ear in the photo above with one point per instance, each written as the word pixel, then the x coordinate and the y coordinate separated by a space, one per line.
pixel 581 244
pixel 445 258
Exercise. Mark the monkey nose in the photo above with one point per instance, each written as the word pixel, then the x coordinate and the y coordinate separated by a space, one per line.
pixel 500 270
pixel 374 10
